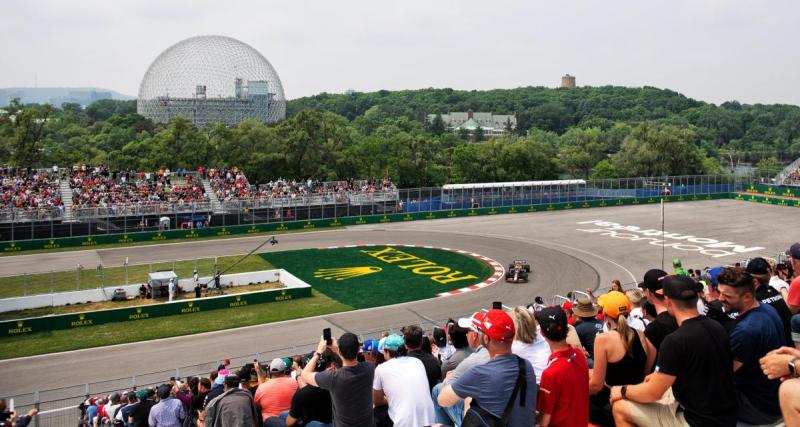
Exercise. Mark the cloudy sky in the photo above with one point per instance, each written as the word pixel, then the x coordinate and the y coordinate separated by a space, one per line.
pixel 713 50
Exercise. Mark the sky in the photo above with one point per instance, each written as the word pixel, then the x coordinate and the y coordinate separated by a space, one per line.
pixel 711 50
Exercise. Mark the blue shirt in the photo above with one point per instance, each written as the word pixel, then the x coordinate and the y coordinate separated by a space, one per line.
pixel 491 385
pixel 756 333
pixel 167 413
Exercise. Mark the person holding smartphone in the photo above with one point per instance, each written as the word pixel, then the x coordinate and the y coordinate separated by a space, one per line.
pixel 350 386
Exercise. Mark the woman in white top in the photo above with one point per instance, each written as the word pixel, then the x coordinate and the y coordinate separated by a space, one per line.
pixel 528 342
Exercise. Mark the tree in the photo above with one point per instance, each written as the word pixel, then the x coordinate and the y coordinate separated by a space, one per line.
pixel 477 135
pixel 768 167
pixel 28 131
pixel 437 125
pixel 658 150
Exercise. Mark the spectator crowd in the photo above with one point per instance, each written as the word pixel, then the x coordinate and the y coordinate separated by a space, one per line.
pixel 232 184
pixel 29 189
pixel 97 186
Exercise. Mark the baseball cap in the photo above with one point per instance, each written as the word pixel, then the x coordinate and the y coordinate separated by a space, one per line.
pixel 497 325
pixel 676 262
pixel 616 303
pixel 758 267
pixel 652 279
pixel 553 322
pixel 440 337
pixel 567 305
pixel 392 342
pixel 681 288
pixel 370 346
pixel 712 276
pixel 141 394
pixel 471 322
pixel 794 251
pixel 277 365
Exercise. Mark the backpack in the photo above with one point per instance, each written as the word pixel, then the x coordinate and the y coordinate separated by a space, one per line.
pixel 479 417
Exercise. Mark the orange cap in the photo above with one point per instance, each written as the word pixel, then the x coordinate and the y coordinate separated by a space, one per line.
pixel 616 303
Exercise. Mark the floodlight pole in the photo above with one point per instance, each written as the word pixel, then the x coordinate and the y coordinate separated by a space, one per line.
pixel 663 249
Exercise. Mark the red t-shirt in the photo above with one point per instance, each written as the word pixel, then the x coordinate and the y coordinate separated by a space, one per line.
pixel 275 396
pixel 794 292
pixel 564 389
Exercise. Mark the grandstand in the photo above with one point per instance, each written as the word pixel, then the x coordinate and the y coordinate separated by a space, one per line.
pixel 790 175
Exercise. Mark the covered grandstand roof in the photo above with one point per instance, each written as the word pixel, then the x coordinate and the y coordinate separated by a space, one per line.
pixel 513 184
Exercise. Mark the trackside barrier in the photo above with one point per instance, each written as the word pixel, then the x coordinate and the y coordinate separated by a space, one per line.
pixel 192 234
pixel 131 314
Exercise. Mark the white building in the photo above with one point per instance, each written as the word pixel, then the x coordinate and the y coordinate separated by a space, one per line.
pixel 491 124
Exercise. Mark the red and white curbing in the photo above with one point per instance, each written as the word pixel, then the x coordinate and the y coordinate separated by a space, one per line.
pixel 499 270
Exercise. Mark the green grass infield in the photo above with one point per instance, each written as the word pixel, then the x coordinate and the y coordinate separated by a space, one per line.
pixel 371 276
pixel 342 279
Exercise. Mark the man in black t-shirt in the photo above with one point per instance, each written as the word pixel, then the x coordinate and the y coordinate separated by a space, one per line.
pixel 760 270
pixel 141 411
pixel 350 387
pixel 663 324
pixel 412 336
pixel 695 361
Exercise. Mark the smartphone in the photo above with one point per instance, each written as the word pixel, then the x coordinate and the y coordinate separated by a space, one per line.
pixel 497 305
pixel 326 333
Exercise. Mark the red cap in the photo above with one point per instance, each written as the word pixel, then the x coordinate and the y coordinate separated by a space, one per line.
pixel 567 305
pixel 497 325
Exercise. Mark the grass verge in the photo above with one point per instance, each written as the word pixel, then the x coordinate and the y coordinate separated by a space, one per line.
pixel 148 243
pixel 90 278
pixel 104 305
pixel 163 327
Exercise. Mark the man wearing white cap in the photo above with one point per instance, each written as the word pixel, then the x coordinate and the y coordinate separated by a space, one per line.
pixel 275 395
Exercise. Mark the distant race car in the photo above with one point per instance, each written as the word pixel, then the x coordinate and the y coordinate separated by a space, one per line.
pixel 518 271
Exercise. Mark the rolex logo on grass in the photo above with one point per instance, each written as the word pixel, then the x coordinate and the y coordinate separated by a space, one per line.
pixel 344 273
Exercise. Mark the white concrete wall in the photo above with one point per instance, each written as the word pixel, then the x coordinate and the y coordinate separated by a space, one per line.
pixel 95 295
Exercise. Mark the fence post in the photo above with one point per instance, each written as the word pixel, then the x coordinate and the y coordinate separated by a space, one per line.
pixel 133 382
pixel 52 281
pixel 177 373
pixel 24 283
pixel 37 405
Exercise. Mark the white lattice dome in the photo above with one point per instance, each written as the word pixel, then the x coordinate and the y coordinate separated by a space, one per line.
pixel 211 79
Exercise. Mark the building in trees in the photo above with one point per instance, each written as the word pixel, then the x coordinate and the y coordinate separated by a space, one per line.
pixel 211 79
pixel 567 81
pixel 470 122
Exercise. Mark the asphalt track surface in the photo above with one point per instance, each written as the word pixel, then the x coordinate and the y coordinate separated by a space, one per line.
pixel 562 258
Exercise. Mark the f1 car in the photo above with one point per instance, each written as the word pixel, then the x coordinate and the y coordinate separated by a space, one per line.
pixel 518 271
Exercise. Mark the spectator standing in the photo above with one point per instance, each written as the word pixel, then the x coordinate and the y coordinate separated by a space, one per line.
pixel 694 360
pixel 412 336
pixel 350 386
pixel 758 331
pixel 311 406
pixel 760 271
pixel 528 343
pixel 564 386
pixel 678 267
pixel 636 319
pixel 125 411
pixel 589 325
pixel 400 388
pixel 141 411
pixel 503 387
pixel 621 356
pixel 663 324
pixel 234 407
pixel 171 289
pixel 218 387
pixel 275 395
pixel 168 412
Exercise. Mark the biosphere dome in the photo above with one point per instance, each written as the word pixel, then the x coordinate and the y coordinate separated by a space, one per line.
pixel 211 79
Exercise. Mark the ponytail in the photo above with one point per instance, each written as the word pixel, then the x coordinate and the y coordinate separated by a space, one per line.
pixel 626 333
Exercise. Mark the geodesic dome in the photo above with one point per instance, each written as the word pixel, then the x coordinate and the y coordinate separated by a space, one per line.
pixel 210 79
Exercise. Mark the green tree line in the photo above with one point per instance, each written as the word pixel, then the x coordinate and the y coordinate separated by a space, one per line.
pixel 587 132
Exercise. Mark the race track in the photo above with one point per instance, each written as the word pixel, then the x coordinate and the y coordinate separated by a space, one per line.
pixel 564 255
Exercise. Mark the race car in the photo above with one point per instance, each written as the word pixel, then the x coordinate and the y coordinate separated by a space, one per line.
pixel 518 271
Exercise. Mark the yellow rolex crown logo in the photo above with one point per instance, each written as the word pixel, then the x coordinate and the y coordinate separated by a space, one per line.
pixel 82 316
pixel 191 304
pixel 139 310
pixel 238 298
pixel 19 324
pixel 283 292
pixel 345 273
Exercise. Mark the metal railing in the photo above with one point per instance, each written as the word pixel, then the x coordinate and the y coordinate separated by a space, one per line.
pixel 151 217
